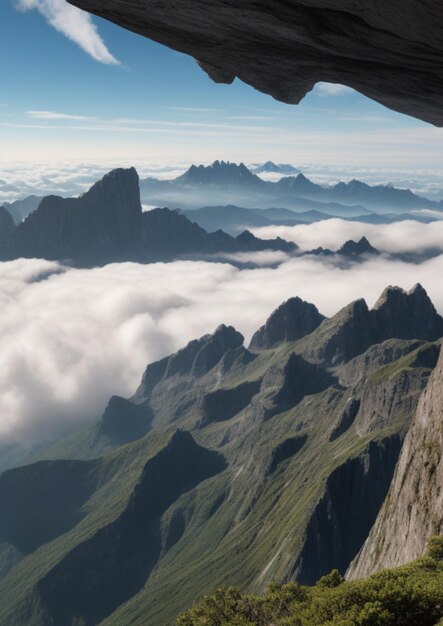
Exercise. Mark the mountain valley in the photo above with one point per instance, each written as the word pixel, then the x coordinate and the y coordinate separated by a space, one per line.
pixel 241 464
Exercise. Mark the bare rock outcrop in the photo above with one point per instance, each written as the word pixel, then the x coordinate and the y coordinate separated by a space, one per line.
pixel 391 51
pixel 413 509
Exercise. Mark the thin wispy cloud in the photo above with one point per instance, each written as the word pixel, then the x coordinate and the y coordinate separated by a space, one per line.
pixel 332 89
pixel 75 24
pixel 53 115
pixel 195 109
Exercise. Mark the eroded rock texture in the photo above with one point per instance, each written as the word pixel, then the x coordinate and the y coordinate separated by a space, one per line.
pixel 413 509
pixel 391 51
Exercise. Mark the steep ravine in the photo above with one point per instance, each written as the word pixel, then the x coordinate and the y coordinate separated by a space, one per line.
pixel 344 515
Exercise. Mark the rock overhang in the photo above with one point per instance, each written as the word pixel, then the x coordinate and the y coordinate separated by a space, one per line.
pixel 391 52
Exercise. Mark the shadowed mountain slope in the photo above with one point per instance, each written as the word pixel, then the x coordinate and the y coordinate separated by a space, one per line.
pixel 106 224
pixel 225 184
pixel 281 472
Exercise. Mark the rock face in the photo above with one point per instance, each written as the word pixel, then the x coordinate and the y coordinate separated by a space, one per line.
pixel 397 313
pixel 195 359
pixel 252 242
pixel 107 225
pixel 103 223
pixel 278 471
pixel 220 173
pixel 390 51
pixel 292 320
pixel 7 227
pixel 357 248
pixel 413 509
pixel 343 517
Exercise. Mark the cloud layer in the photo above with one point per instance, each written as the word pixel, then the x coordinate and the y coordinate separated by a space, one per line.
pixel 74 24
pixel 406 236
pixel 69 339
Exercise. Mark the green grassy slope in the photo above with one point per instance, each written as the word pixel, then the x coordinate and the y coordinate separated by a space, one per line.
pixel 246 521
pixel 411 595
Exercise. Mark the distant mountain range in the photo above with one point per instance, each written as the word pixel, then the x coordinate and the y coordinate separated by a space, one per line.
pixel 224 183
pixel 224 190
pixel 20 209
pixel 273 168
pixel 106 224
pixel 234 219
pixel 233 464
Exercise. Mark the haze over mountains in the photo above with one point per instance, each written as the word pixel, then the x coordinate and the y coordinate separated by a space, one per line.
pixel 224 457
pixel 107 223
pixel 239 462
pixel 225 183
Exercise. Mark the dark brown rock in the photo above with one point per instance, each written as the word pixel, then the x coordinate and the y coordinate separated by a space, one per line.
pixel 390 51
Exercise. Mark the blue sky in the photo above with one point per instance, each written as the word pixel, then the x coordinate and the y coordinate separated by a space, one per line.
pixel 96 91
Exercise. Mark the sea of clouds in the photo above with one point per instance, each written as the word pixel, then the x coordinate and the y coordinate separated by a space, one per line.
pixel 21 179
pixel 70 338
pixel 405 236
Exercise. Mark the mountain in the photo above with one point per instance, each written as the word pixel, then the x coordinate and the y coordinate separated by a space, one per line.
pixel 353 250
pixel 379 196
pixel 357 248
pixel 232 219
pixel 20 209
pixel 7 227
pixel 272 168
pixel 412 511
pixel 252 242
pixel 102 224
pixel 292 320
pixel 224 183
pixel 106 224
pixel 229 465
pixel 355 328
pixel 220 173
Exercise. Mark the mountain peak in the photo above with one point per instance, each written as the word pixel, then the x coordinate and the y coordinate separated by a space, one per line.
pixel 356 248
pixel 120 181
pixel 292 320
pixel 275 168
pixel 408 314
pixel 219 173
pixel 298 184
pixel 103 223
pixel 253 243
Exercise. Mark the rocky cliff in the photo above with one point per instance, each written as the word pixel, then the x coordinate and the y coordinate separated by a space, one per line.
pixel 413 509
pixel 106 225
pixel 280 475
pixel 102 224
pixel 390 51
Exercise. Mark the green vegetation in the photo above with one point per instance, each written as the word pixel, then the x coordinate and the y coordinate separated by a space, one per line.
pixel 246 525
pixel 411 595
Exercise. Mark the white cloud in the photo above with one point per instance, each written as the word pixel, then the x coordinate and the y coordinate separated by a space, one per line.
pixel 75 24
pixel 332 89
pixel 436 215
pixel 406 236
pixel 53 115
pixel 70 341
